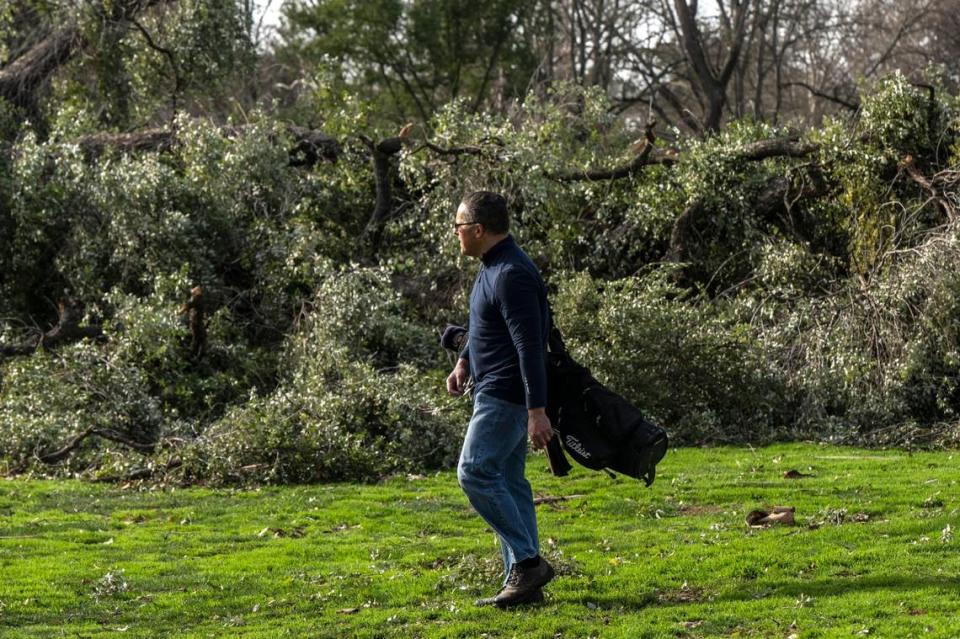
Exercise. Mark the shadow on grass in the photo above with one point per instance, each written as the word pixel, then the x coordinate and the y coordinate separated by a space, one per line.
pixel 824 588
pixel 839 586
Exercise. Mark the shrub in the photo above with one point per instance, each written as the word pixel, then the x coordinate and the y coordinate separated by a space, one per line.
pixel 701 375
pixel 357 401
pixel 49 398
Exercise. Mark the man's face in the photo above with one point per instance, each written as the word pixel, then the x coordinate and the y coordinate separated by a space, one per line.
pixel 468 232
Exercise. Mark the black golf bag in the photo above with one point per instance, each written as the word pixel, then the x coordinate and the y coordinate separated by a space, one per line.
pixel 597 427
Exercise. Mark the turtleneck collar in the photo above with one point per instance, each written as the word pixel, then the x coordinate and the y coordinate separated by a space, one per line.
pixel 497 249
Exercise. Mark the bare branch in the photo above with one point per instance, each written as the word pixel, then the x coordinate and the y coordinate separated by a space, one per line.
pixel 853 106
pixel 908 164
pixel 170 58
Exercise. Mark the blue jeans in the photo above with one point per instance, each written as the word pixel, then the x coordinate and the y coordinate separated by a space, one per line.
pixel 491 471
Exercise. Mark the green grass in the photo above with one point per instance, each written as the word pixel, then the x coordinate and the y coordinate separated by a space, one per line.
pixel 872 554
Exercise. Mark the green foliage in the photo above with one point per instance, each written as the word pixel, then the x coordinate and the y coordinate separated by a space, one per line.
pixel 411 58
pixel 48 399
pixel 828 315
pixel 353 406
pixel 10 121
pixel 151 334
pixel 714 174
pixel 902 118
pixel 900 123
pixel 609 228
pixel 140 63
pixel 871 356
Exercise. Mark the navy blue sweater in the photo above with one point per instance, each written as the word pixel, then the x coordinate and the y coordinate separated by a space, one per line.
pixel 509 324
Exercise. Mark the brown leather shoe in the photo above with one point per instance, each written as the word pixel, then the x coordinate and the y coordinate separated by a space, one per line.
pixel 535 598
pixel 523 583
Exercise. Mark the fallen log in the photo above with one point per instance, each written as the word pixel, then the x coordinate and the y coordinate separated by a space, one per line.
pixel 66 331
pixel 309 146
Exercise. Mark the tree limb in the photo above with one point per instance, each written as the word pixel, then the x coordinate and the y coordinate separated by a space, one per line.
pixel 853 106
pixel 170 58
pixel 67 331
pixel 453 150
pixel 908 164
pixel 20 80
pixel 772 197
pixel 64 451
pixel 309 148
pixel 380 154
pixel 631 168
pixel 69 447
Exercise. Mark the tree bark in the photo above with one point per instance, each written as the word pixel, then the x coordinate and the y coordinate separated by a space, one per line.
pixel 712 83
pixel 21 79
pixel 309 148
pixel 381 155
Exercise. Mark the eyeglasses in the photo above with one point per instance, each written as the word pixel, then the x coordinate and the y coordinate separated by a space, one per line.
pixel 457 225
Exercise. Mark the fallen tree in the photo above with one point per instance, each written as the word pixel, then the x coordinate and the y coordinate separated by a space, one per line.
pixel 66 331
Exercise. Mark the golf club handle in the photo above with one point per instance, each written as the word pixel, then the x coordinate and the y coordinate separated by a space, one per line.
pixel 559 465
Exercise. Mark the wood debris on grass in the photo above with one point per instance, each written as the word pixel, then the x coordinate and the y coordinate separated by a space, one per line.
pixel 780 515
pixel 552 499
pixel 294 533
pixel 685 594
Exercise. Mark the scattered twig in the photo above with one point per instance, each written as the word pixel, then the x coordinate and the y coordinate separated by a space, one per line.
pixel 552 499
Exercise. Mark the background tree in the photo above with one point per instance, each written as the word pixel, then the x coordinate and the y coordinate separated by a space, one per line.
pixel 418 55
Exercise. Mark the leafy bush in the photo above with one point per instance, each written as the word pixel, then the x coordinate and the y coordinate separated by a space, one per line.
pixel 701 375
pixel 48 399
pixel 353 406
pixel 874 359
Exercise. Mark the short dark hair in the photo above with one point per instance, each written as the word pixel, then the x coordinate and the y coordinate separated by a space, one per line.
pixel 489 209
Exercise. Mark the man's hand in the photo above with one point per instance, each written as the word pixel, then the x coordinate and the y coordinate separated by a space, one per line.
pixel 457 380
pixel 538 427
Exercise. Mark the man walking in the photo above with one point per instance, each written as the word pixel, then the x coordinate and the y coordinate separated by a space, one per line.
pixel 506 356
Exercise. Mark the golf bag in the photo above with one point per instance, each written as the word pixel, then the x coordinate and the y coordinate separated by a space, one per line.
pixel 598 428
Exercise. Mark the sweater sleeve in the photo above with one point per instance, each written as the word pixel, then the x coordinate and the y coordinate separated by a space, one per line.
pixel 519 295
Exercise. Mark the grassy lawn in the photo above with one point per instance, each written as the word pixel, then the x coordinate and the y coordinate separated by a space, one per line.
pixel 872 554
